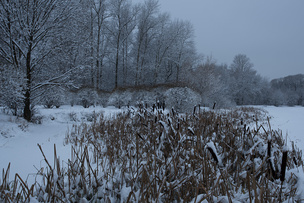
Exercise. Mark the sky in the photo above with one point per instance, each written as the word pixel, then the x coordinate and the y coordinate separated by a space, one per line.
pixel 269 32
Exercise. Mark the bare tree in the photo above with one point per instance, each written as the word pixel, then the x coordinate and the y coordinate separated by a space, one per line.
pixel 26 27
pixel 243 79
pixel 147 21
pixel 164 39
pixel 182 52
pixel 98 19
pixel 122 25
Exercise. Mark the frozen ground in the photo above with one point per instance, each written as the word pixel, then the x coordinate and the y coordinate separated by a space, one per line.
pixel 18 140
pixel 290 120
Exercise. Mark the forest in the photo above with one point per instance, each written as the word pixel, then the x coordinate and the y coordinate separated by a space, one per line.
pixel 115 52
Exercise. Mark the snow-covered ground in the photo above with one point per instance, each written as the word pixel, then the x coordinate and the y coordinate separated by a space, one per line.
pixel 18 139
pixel 290 120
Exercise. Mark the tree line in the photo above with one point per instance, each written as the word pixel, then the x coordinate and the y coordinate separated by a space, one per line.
pixel 240 84
pixel 48 46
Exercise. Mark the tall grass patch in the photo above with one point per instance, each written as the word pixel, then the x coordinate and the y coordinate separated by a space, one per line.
pixel 148 155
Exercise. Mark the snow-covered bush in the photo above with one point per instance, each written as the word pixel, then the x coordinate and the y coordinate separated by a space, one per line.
pixel 181 99
pixel 51 102
pixel 73 116
pixel 145 97
pixel 37 119
pixel 131 98
pixel 119 99
pixel 53 97
pixel 86 97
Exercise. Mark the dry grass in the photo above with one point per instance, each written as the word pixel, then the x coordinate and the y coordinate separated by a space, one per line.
pixel 150 156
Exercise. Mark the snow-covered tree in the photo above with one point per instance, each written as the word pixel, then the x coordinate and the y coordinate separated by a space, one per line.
pixel 146 23
pixel 99 37
pixel 121 26
pixel 242 79
pixel 292 87
pixel 27 29
pixel 211 81
pixel 182 56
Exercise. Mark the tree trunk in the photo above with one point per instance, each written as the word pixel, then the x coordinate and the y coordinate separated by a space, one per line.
pixel 117 60
pixel 93 77
pixel 177 73
pixel 27 113
pixel 137 67
pixel 98 57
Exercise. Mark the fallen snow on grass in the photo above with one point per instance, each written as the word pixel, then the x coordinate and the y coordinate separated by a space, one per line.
pixel 19 139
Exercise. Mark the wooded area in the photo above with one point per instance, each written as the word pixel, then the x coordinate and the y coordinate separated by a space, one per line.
pixel 51 47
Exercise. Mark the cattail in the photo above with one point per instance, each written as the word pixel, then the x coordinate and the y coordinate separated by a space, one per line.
pixel 211 148
pixel 283 166
pixel 269 149
pixel 214 104
pixel 173 112
pixel 213 154
pixel 140 136
pixel 273 173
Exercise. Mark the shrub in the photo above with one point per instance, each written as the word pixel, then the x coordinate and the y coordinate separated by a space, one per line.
pixel 48 104
pixel 181 99
pixel 37 119
pixel 53 97
pixel 85 103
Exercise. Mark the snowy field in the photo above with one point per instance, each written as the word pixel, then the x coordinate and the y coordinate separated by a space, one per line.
pixel 18 139
pixel 290 120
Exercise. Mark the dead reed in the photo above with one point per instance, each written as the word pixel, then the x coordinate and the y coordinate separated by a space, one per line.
pixel 146 155
pixel 168 157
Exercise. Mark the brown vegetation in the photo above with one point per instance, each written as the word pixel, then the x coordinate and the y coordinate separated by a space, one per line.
pixel 144 155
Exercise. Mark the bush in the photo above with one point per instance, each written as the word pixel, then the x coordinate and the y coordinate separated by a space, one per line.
pixel 87 97
pixel 181 99
pixel 37 119
pixel 48 104
pixel 54 98
pixel 85 103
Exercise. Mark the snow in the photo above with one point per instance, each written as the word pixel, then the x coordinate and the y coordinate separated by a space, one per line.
pixel 19 139
pixel 290 120
pixel 21 147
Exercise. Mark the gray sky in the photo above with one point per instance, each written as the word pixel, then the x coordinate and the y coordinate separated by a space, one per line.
pixel 269 32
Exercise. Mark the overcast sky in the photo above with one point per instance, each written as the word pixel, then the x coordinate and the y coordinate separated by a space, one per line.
pixel 269 32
